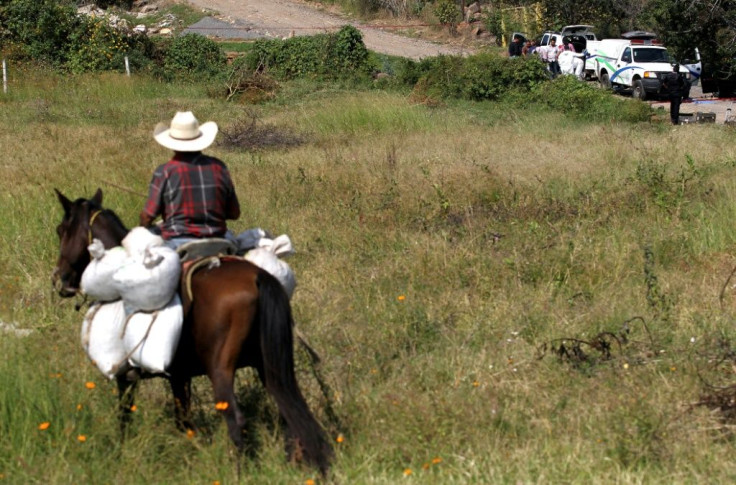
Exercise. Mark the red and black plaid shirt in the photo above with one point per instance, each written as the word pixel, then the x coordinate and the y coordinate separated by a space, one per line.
pixel 194 197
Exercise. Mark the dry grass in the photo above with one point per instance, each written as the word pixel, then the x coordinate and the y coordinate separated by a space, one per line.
pixel 438 249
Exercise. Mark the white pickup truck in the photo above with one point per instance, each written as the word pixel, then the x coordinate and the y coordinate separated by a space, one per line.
pixel 632 64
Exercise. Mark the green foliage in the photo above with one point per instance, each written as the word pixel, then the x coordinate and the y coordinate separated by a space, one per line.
pixel 447 12
pixel 38 29
pixel 480 77
pixel 332 56
pixel 568 95
pixel 95 46
pixel 194 56
pixel 706 24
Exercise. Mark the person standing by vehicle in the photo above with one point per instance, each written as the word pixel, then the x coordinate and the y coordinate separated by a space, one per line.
pixel 551 53
pixel 515 47
pixel 674 84
pixel 193 193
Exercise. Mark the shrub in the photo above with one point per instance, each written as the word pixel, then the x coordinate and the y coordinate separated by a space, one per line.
pixel 568 95
pixel 38 29
pixel 447 13
pixel 193 55
pixel 332 56
pixel 479 77
pixel 95 46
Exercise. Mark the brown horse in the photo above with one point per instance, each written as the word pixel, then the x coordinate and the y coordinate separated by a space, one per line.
pixel 239 316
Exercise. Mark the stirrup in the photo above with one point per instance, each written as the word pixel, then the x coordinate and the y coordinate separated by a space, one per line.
pixel 206 247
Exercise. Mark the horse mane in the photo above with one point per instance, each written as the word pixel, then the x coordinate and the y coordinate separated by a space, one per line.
pixel 113 217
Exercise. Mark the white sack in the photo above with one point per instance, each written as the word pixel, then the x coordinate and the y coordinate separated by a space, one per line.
pixel 97 279
pixel 267 260
pixel 281 246
pixel 151 339
pixel 102 340
pixel 149 283
pixel 138 240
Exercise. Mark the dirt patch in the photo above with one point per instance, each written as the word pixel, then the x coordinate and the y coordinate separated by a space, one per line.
pixel 287 18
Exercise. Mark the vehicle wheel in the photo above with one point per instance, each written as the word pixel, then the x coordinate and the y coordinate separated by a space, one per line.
pixel 639 92
pixel 605 80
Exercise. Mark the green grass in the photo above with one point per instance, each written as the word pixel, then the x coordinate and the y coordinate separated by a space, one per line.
pixel 442 255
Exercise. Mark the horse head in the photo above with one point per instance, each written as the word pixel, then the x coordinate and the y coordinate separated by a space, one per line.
pixel 84 219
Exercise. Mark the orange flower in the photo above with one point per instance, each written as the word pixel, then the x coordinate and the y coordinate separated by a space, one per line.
pixel 309 482
pixel 89 385
pixel 134 408
pixel 401 297
pixel 425 466
pixel 190 433
pixel 43 426
pixel 222 405
pixel 407 472
pixel 79 407
pixel 81 438
pixel 340 438
pixel 476 383
pixel 436 460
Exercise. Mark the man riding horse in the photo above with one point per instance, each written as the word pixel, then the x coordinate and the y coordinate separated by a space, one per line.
pixel 192 192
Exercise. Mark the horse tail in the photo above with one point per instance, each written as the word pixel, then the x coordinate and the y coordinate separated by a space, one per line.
pixel 305 436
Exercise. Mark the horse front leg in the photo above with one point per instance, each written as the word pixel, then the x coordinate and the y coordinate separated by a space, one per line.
pixel 127 384
pixel 181 388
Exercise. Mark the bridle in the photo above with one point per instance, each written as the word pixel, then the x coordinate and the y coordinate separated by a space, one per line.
pixel 92 221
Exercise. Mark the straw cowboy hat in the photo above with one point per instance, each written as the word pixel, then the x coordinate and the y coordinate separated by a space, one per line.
pixel 185 133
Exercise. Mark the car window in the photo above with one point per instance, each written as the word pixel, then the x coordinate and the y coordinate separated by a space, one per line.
pixel 651 55
pixel 626 56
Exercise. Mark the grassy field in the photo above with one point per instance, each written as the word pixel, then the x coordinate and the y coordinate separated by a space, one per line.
pixel 499 294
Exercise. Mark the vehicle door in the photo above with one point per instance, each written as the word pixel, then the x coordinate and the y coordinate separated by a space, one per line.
pixel 623 72
pixel 695 66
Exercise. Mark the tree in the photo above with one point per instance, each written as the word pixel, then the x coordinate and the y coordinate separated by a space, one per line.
pixel 709 25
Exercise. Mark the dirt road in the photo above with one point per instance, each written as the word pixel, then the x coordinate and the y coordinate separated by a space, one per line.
pixel 282 18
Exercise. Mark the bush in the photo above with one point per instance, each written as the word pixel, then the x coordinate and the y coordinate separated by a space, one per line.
pixel 568 95
pixel 330 56
pixel 38 29
pixel 478 77
pixel 95 46
pixel 193 55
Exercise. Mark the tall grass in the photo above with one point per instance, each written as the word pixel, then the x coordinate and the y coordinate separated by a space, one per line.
pixel 442 255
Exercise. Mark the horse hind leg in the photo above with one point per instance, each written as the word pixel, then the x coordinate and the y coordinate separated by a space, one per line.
pixel 225 402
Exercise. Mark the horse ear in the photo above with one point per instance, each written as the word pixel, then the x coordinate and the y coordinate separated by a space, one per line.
pixel 97 198
pixel 65 203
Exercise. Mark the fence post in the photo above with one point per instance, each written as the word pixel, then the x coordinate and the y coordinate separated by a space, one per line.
pixel 5 77
pixel 127 67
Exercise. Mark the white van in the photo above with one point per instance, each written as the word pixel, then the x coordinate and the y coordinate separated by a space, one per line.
pixel 636 65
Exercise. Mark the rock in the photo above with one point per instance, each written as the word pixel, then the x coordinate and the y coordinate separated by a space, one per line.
pixel 149 9
pixel 140 29
pixel 165 31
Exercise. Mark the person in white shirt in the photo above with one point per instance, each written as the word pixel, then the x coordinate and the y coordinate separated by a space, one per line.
pixel 551 53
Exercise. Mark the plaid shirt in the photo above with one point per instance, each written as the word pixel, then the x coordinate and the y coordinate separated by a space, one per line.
pixel 194 197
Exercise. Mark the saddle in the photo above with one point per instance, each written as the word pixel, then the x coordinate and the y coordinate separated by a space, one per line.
pixel 203 248
pixel 196 255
